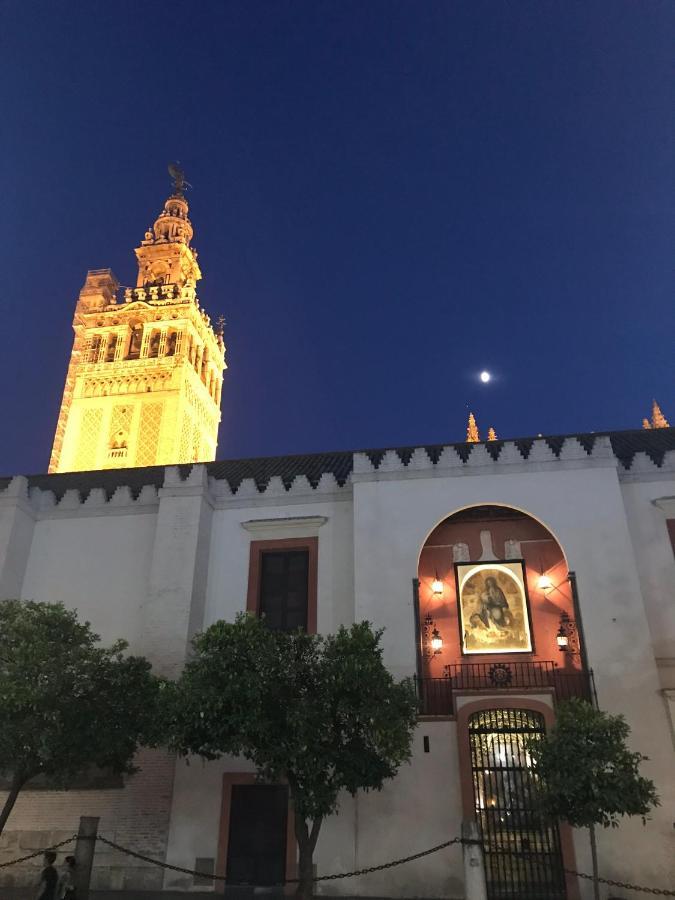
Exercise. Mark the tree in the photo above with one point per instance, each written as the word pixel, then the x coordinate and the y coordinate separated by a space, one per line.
pixel 587 774
pixel 321 714
pixel 66 703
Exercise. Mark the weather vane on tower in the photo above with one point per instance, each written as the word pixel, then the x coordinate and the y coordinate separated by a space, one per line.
pixel 178 178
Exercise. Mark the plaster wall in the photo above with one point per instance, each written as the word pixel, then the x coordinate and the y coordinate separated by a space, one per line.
pixel 17 522
pixel 228 564
pixel 648 504
pixel 98 565
pixel 195 816
pixel 417 809
pixel 583 507
pixel 156 571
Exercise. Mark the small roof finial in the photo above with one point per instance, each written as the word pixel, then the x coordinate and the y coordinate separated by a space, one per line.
pixel 492 434
pixel 658 419
pixel 472 435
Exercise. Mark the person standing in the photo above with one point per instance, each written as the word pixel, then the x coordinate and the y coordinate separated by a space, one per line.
pixel 49 878
pixel 66 889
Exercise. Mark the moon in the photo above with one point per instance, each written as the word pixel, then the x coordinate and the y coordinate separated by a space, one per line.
pixel 485 377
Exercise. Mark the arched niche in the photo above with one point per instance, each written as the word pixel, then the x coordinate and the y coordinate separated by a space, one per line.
pixel 493 622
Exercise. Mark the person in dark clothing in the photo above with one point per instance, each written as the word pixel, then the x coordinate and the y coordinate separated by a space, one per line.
pixel 49 878
pixel 66 889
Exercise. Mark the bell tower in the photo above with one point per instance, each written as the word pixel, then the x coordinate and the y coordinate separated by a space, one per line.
pixel 145 376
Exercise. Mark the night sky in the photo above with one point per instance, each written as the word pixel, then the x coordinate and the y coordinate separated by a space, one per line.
pixel 387 198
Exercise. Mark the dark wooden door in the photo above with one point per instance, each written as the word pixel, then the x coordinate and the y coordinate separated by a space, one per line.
pixel 256 850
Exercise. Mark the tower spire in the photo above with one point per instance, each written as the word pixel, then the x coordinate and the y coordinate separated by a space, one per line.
pixel 145 377
pixel 472 435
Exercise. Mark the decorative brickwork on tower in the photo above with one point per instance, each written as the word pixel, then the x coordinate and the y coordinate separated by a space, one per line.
pixel 145 376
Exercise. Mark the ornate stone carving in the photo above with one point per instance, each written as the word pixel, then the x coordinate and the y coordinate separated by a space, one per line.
pixel 487 549
pixel 512 549
pixel 460 552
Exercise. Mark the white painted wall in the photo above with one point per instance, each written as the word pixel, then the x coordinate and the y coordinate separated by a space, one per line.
pixel 96 564
pixel 655 561
pixel 155 569
pixel 229 558
pixel 583 507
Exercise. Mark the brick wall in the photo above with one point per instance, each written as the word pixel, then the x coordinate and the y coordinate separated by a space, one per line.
pixel 136 816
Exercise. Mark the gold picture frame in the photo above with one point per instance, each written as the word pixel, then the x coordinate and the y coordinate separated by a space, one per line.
pixel 494 608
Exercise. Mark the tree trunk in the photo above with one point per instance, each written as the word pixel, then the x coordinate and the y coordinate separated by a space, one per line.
pixel 594 861
pixel 18 782
pixel 306 843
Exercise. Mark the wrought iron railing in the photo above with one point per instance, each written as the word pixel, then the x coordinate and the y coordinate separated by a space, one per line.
pixel 436 695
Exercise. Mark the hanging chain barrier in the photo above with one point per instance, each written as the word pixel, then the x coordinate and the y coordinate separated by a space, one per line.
pixel 366 871
pixel 14 862
pixel 660 892
pixel 626 885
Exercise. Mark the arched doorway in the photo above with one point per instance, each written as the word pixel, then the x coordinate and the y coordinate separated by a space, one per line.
pixel 523 858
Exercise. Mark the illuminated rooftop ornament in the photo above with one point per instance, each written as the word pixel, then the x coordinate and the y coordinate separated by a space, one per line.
pixel 472 435
pixel 492 434
pixel 658 420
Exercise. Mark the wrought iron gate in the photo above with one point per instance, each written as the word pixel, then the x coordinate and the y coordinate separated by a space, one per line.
pixel 523 860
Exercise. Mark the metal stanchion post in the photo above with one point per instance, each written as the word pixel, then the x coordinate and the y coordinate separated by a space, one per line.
pixel 84 854
pixel 474 865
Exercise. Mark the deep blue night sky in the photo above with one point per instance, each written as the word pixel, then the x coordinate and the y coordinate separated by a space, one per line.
pixel 388 197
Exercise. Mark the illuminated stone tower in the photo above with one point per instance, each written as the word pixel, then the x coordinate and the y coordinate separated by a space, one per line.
pixel 146 370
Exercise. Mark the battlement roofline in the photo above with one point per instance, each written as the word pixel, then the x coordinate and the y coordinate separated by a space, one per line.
pixel 636 452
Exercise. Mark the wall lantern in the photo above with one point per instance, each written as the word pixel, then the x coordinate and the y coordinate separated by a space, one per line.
pixel 433 642
pixel 437 586
pixel 545 582
pixel 565 638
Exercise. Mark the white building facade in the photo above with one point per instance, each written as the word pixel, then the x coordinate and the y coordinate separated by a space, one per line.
pixel 407 539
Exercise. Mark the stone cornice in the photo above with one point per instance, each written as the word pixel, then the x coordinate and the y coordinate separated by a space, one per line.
pixel 666 505
pixel 284 526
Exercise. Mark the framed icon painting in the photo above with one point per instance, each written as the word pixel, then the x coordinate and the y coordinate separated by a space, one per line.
pixel 494 612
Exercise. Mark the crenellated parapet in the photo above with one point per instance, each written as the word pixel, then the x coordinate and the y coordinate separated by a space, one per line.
pixel 583 451
pixel 279 480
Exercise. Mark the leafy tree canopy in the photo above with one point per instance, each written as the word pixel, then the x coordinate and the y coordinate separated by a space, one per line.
pixel 588 776
pixel 66 703
pixel 322 713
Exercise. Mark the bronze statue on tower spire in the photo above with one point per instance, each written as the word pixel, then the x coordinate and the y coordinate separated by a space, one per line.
pixel 180 183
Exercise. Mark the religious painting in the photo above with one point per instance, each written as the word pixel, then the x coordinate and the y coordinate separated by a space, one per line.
pixel 494 614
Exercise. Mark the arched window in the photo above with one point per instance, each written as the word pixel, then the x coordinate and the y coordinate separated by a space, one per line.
pixel 111 347
pixel 95 348
pixel 153 345
pixel 135 341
